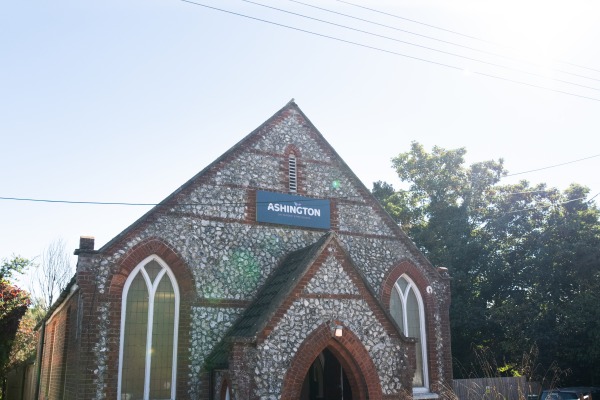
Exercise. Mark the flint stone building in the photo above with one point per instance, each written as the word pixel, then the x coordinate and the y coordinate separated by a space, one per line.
pixel 271 274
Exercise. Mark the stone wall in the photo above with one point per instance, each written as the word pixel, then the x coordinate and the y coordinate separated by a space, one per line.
pixel 208 230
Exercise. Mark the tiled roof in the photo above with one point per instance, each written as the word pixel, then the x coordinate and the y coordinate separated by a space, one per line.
pixel 269 298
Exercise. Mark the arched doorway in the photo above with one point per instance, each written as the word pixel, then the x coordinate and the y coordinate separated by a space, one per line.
pixel 326 379
pixel 347 357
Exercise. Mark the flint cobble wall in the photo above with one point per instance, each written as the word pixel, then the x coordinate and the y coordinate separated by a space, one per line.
pixel 305 315
pixel 229 256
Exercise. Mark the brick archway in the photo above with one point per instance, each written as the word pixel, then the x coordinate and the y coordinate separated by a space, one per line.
pixel 351 354
pixel 185 281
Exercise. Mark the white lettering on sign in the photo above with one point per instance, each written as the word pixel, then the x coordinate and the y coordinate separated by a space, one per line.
pixel 294 209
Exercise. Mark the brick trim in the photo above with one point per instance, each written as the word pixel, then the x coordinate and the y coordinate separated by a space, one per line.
pixel 349 351
pixel 223 391
pixel 408 268
pixel 290 148
pixel 185 281
pixel 334 249
pixel 429 305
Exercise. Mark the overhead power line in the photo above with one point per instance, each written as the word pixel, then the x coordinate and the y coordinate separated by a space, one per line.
pixel 448 30
pixel 562 203
pixel 412 20
pixel 105 203
pixel 422 46
pixel 553 166
pixel 390 51
pixel 168 204
pixel 491 53
pixel 108 203
pixel 102 203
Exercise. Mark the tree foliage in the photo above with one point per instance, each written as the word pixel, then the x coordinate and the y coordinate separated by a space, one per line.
pixel 524 259
pixel 25 341
pixel 13 305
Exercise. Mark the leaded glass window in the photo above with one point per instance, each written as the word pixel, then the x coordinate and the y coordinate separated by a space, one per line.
pixel 149 319
pixel 406 307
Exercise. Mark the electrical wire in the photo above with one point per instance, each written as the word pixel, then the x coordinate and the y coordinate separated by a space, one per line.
pixel 245 204
pixel 542 206
pixel 412 20
pixel 390 51
pixel 537 207
pixel 111 203
pixel 448 30
pixel 442 41
pixel 103 203
pixel 552 166
pixel 121 203
pixel 423 47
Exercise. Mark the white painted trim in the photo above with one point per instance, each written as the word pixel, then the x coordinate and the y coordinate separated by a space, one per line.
pixel 423 339
pixel 151 295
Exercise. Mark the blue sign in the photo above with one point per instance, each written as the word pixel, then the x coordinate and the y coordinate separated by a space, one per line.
pixel 287 209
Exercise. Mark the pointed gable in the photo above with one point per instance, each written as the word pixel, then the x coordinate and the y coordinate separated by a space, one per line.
pixel 331 279
pixel 277 288
pixel 321 270
pixel 260 290
pixel 259 161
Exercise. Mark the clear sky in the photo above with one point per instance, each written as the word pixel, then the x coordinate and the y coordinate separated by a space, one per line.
pixel 124 101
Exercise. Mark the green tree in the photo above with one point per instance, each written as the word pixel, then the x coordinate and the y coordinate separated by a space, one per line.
pixel 24 344
pixel 523 259
pixel 13 305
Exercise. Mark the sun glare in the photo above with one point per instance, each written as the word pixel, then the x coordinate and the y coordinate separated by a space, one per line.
pixel 537 31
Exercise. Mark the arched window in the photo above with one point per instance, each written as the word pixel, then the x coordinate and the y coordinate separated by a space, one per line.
pixel 406 307
pixel 149 327
pixel 292 173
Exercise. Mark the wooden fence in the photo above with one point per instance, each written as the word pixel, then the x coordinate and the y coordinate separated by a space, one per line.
pixel 495 389
pixel 20 382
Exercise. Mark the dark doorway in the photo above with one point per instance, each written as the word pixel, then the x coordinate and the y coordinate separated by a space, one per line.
pixel 326 380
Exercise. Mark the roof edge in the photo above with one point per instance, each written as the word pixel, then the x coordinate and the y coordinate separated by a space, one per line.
pixel 166 201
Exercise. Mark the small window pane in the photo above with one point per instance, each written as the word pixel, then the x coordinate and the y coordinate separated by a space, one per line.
pixel 134 339
pixel 414 330
pixel 402 283
pixel 412 315
pixel 162 340
pixel 396 309
pixel 153 268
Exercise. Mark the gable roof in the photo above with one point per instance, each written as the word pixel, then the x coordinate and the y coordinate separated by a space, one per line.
pixel 275 291
pixel 290 108
pixel 192 181
pixel 277 287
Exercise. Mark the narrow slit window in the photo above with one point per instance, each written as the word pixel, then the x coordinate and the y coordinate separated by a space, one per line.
pixel 292 173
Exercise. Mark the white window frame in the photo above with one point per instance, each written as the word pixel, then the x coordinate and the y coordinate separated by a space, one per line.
pixel 423 339
pixel 151 295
